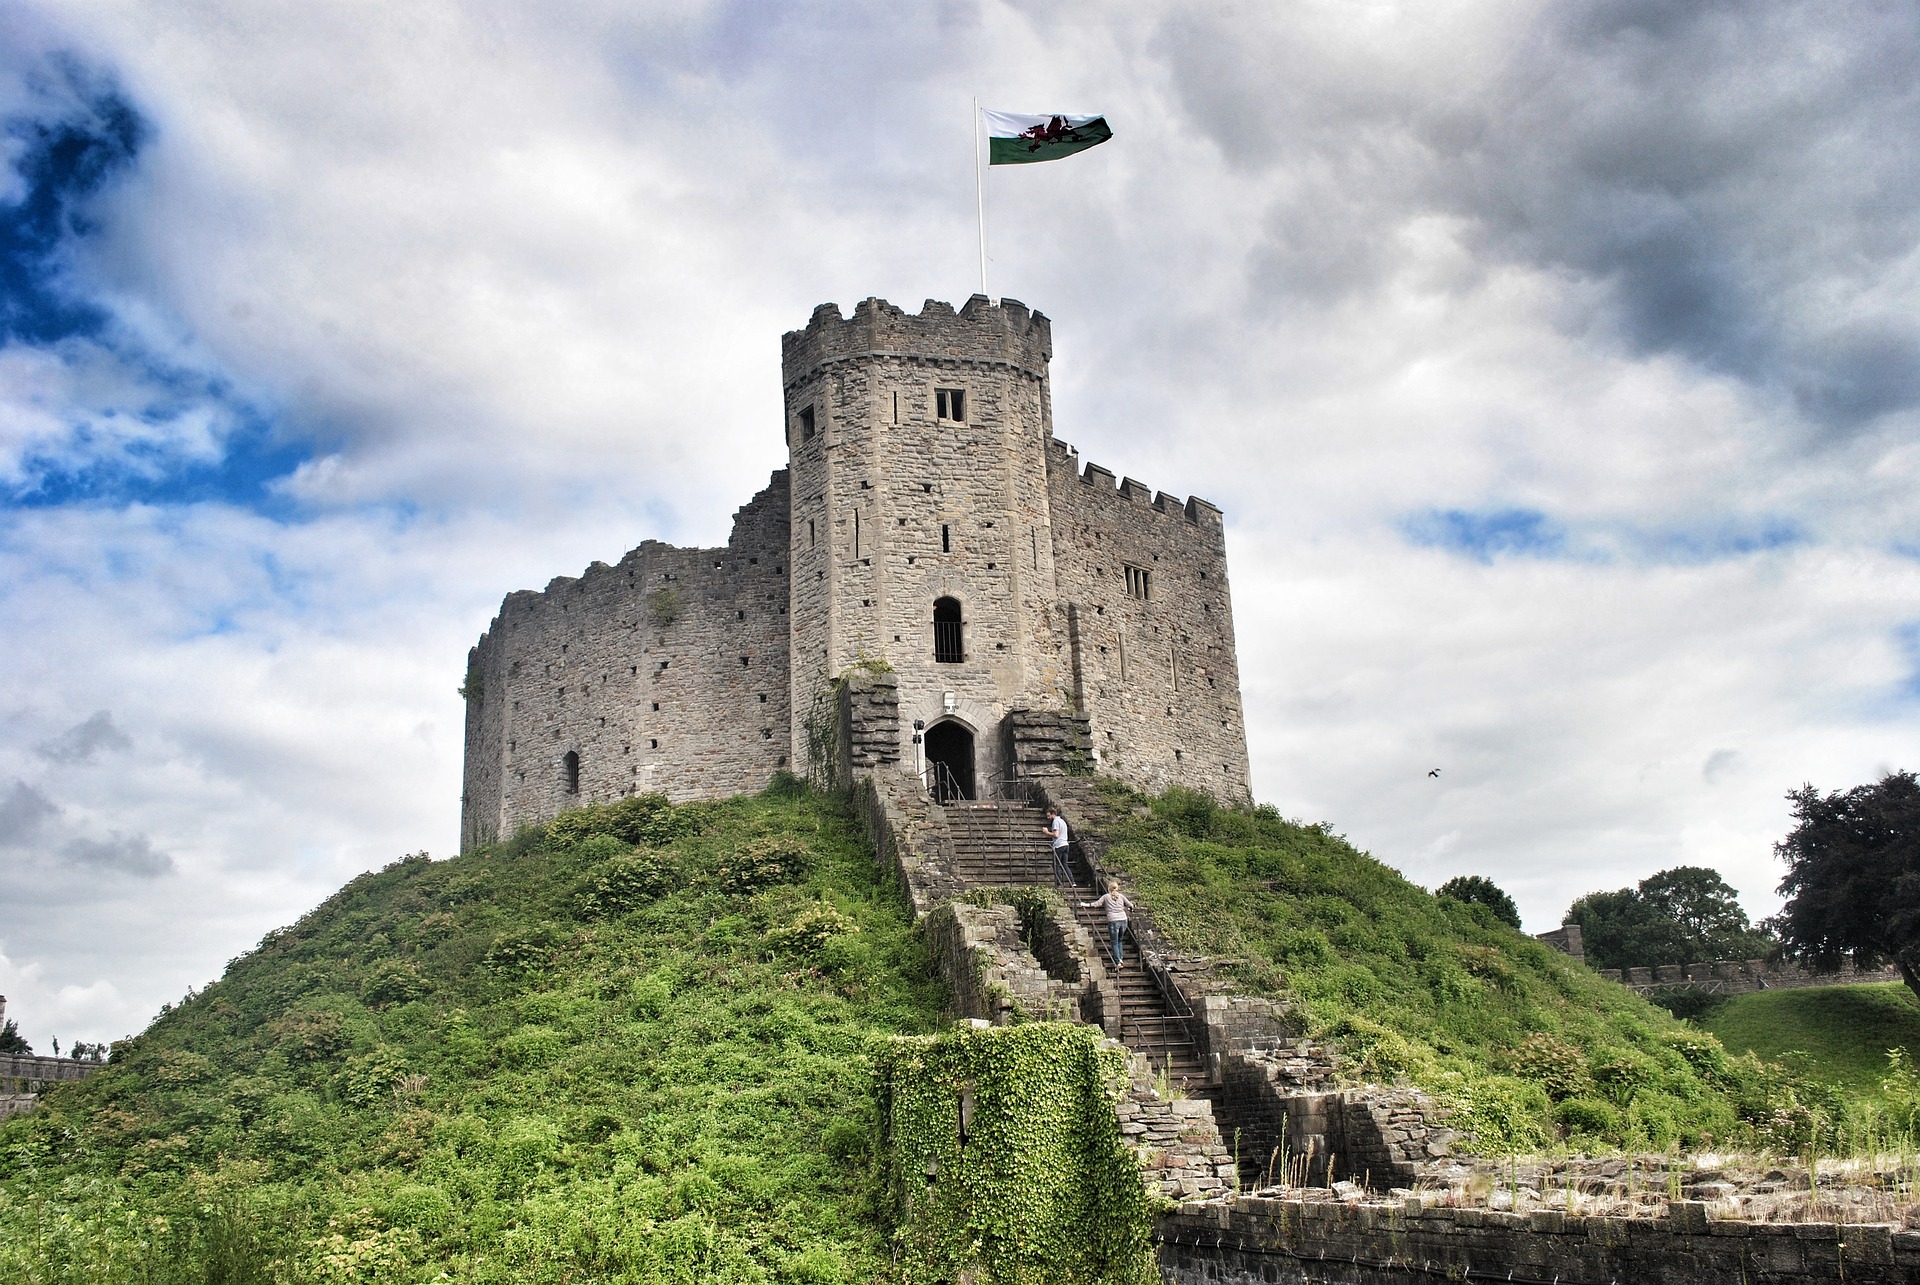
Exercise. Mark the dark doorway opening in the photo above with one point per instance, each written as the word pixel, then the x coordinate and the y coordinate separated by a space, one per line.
pixel 949 647
pixel 570 771
pixel 949 761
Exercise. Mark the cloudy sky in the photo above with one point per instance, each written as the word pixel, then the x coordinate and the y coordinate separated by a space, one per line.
pixel 1556 365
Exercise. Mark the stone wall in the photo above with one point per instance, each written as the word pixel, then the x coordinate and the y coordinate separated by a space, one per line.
pixel 1743 976
pixel 1154 665
pixel 869 720
pixel 1309 1241
pixel 1182 1153
pixel 1567 940
pixel 667 672
pixel 24 1077
pixel 995 977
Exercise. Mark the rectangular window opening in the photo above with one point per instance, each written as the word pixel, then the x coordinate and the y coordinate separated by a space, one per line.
pixel 946 538
pixel 806 424
pixel 950 404
pixel 1139 582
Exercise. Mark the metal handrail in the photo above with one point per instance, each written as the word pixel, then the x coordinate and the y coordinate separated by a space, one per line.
pixel 1140 921
pixel 943 786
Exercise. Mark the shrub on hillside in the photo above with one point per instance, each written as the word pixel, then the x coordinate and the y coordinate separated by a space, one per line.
pixel 392 981
pixel 643 820
pixel 1554 1064
pixel 523 949
pixel 811 930
pixel 624 883
pixel 760 864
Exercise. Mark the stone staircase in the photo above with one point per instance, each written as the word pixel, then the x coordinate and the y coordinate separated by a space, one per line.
pixel 1000 845
pixel 1147 1024
pixel 1005 845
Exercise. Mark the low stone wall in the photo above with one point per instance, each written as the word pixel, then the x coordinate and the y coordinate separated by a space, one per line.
pixel 24 1077
pixel 1177 1139
pixel 1743 977
pixel 869 719
pixel 1256 1241
pixel 1567 940
pixel 909 833
pixel 1297 1128
pixel 982 952
pixel 1048 743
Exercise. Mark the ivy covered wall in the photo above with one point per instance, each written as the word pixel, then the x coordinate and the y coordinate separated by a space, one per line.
pixel 1004 1163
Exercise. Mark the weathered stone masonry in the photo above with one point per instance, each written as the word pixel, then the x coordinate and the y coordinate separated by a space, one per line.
pixel 923 470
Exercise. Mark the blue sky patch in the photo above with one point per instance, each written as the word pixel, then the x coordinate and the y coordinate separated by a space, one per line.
pixel 1489 533
pixel 187 437
pixel 1486 534
pixel 252 460
pixel 63 161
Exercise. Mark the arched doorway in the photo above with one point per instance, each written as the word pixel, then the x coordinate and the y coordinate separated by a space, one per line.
pixel 950 761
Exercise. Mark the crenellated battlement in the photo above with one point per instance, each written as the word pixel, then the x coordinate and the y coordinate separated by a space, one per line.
pixel 1004 333
pixel 1194 509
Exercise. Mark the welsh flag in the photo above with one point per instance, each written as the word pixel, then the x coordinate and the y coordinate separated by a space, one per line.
pixel 1013 139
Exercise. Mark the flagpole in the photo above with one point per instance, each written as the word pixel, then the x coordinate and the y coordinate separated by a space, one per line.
pixel 979 192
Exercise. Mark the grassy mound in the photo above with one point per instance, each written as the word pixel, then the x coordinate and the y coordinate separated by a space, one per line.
pixel 634 1046
pixel 1840 1033
pixel 1530 1049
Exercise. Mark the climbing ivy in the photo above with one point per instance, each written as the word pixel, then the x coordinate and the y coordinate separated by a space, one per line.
pixel 1001 1157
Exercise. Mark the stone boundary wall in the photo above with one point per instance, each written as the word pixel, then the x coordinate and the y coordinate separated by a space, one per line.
pixel 909 834
pixel 1567 940
pixel 23 1077
pixel 1743 977
pixel 1255 1241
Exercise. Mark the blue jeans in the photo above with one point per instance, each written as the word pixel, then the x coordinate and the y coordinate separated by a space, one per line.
pixel 1119 930
pixel 1062 868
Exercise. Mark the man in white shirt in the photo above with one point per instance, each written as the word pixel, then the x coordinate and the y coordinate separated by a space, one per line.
pixel 1057 827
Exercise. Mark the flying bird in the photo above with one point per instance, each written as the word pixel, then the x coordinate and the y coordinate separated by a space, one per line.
pixel 1435 772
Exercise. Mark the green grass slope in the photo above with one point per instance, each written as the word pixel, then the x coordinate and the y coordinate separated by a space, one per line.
pixel 633 1047
pixel 1529 1048
pixel 1839 1033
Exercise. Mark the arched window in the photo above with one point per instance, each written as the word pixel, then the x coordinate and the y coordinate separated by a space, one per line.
pixel 949 642
pixel 570 771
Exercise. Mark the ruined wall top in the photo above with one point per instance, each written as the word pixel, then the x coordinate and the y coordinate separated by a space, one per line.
pixel 1006 332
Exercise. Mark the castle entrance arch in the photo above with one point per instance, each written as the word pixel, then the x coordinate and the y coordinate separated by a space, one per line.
pixel 950 760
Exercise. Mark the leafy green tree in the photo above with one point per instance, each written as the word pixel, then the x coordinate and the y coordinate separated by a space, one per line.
pixel 1479 890
pixel 1684 915
pixel 1853 876
pixel 12 1041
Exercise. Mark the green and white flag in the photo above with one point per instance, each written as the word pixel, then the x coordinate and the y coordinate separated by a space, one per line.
pixel 1013 139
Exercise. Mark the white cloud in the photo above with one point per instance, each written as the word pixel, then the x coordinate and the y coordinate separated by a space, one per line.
pixel 515 275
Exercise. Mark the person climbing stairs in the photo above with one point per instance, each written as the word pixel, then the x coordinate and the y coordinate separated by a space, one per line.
pixel 1006 845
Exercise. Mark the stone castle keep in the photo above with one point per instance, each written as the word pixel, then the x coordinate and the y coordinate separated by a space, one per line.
pixel 1031 609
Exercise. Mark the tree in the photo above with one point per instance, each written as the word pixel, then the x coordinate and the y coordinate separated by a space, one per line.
pixel 1478 890
pixel 1684 915
pixel 1853 876
pixel 11 1041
